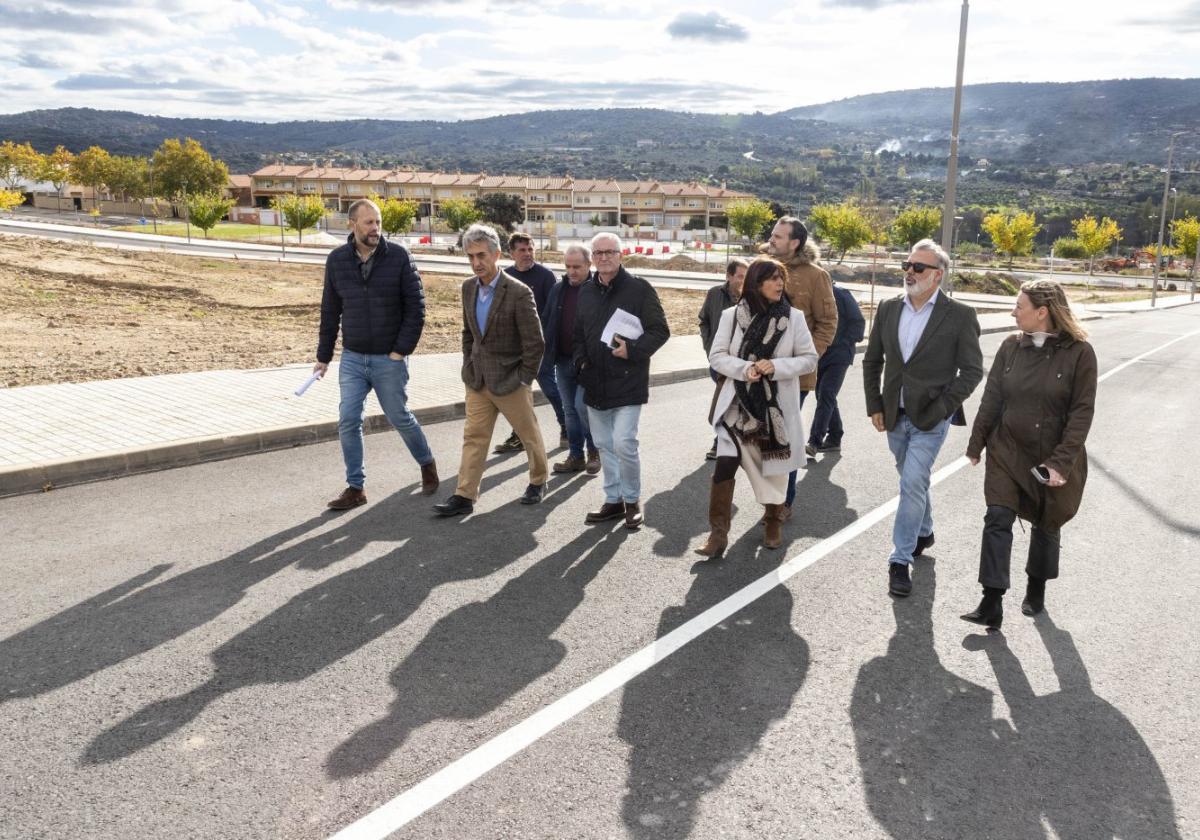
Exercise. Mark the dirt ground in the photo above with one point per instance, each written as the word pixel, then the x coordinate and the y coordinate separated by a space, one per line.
pixel 70 312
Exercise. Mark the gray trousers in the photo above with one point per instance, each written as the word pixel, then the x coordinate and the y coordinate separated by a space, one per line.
pixel 996 549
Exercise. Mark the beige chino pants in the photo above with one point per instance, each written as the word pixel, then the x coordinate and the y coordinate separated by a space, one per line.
pixel 482 409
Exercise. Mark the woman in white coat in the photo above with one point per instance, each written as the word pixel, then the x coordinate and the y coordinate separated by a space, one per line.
pixel 761 349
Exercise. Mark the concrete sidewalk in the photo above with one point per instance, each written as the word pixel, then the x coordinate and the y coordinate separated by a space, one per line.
pixel 57 435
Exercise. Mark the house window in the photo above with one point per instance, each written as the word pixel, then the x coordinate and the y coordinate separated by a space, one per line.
pixel 354 189
pixel 627 202
pixel 693 203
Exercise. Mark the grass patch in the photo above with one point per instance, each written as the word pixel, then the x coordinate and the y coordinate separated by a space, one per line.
pixel 235 231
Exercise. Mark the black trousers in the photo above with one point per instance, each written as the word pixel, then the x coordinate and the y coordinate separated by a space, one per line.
pixel 996 550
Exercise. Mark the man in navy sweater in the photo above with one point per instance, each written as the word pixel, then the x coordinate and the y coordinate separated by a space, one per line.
pixel 374 295
pixel 541 280
pixel 827 430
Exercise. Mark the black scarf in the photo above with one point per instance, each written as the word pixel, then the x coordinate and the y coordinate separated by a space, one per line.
pixel 760 420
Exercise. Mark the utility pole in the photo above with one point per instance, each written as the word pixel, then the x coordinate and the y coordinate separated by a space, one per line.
pixel 952 167
pixel 1162 219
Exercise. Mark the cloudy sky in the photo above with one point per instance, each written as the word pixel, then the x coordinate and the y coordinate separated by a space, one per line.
pixel 453 59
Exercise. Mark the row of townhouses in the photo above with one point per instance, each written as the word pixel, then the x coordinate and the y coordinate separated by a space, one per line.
pixel 565 201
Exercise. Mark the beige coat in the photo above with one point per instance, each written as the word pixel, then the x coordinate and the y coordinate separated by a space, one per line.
pixel 795 356
pixel 811 291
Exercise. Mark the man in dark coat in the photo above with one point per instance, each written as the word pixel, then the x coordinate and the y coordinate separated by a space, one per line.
pixel 373 294
pixel 540 280
pixel 926 348
pixel 558 326
pixel 718 299
pixel 614 370
pixel 502 350
pixel 827 429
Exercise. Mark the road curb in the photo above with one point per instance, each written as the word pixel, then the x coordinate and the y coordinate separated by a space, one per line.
pixel 46 476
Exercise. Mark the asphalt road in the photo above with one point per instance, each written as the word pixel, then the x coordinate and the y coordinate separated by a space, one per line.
pixel 205 652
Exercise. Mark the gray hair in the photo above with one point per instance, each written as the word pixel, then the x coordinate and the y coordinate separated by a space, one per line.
pixel 929 245
pixel 583 251
pixel 482 233
pixel 358 204
pixel 606 235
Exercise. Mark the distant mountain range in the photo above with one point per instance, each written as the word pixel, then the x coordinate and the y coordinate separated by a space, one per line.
pixel 1069 123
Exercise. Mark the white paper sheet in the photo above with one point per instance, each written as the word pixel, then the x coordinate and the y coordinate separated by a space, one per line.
pixel 624 324
pixel 307 384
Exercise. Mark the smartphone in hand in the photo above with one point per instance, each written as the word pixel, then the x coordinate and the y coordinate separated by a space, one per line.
pixel 614 343
pixel 1041 473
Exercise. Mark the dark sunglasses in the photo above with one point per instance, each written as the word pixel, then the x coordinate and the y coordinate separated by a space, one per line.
pixel 916 267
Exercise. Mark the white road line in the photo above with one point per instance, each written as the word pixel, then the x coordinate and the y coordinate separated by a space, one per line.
pixel 395 814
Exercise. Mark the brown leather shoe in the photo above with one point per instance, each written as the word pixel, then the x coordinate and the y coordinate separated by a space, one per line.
pixel 772 536
pixel 351 497
pixel 572 464
pixel 608 510
pixel 429 479
pixel 593 462
pixel 633 516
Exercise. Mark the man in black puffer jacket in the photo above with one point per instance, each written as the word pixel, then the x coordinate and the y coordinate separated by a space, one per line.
pixel 615 373
pixel 373 292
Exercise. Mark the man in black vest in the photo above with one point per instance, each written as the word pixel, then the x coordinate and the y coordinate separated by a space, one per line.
pixel 926 347
pixel 374 294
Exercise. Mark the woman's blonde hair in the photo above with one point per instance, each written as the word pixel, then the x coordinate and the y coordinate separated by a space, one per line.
pixel 1050 294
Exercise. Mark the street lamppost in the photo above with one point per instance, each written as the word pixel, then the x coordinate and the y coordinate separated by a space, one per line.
pixel 1171 226
pixel 1162 218
pixel 187 215
pixel 952 167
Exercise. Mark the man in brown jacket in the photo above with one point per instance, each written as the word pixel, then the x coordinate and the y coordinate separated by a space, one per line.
pixel 810 290
pixel 502 351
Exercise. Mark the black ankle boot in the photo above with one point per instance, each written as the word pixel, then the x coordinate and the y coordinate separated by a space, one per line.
pixel 990 611
pixel 1035 596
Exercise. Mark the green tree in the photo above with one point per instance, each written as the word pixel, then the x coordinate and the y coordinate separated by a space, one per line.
pixel 206 209
pixel 503 211
pixel 459 213
pixel 300 211
pixel 56 168
pixel 127 176
pixel 748 216
pixel 10 199
pixel 397 215
pixel 1186 230
pixel 1012 232
pixel 91 167
pixel 186 167
pixel 1069 248
pixel 914 224
pixel 18 162
pixel 841 226
pixel 1096 237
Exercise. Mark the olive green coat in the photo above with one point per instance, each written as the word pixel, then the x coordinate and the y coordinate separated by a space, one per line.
pixel 1037 409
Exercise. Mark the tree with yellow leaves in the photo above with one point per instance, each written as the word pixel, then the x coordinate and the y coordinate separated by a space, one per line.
pixel 1012 232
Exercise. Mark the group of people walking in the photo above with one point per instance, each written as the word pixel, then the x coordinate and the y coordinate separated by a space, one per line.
pixel 777 329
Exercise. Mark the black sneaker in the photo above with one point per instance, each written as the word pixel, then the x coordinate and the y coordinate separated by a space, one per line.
pixel 922 544
pixel 899 583
pixel 829 446
pixel 810 450
pixel 512 444
pixel 711 455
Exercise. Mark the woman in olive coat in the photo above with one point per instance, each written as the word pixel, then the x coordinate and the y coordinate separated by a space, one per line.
pixel 1036 412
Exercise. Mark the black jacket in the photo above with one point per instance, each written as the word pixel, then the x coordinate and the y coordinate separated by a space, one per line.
pixel 716 301
pixel 850 330
pixel 552 317
pixel 383 314
pixel 607 381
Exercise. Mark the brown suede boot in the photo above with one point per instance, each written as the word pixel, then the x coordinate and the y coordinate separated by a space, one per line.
pixel 429 479
pixel 720 512
pixel 773 519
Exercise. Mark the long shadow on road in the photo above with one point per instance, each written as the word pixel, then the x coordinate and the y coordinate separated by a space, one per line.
pixel 938 764
pixel 483 653
pixel 338 616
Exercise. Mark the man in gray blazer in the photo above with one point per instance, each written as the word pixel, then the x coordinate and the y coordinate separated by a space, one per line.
pixel 926 346
pixel 502 351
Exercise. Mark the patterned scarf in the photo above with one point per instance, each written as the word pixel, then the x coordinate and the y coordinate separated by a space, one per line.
pixel 760 420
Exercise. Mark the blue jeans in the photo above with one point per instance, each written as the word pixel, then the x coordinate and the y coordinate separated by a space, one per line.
pixel 791 488
pixel 358 374
pixel 574 411
pixel 615 432
pixel 827 420
pixel 546 381
pixel 915 451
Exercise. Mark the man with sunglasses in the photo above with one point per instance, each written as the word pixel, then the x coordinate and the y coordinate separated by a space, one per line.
pixel 926 348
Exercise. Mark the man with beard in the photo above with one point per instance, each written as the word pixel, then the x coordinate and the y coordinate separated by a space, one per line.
pixel 374 295
pixel 926 347
pixel 810 290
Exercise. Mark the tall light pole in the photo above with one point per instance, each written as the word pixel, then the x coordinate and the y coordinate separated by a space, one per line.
pixel 952 168
pixel 187 214
pixel 1171 226
pixel 1162 219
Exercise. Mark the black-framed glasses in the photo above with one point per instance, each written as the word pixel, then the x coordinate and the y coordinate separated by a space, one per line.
pixel 605 253
pixel 917 267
